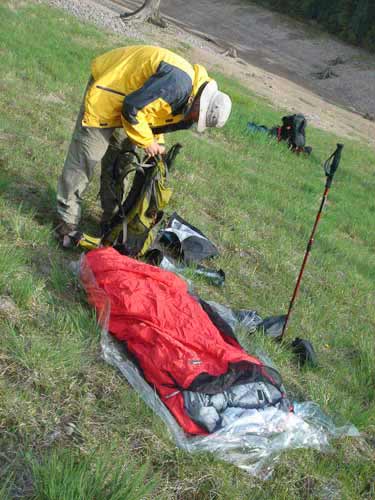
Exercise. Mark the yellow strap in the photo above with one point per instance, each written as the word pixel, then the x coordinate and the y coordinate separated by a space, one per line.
pixel 89 242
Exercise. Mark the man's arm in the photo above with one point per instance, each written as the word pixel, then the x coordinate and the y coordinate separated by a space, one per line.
pixel 167 90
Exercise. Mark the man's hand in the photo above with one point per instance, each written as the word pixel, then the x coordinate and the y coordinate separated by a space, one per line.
pixel 155 149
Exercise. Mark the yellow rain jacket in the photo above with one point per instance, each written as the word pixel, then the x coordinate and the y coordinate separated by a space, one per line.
pixel 145 89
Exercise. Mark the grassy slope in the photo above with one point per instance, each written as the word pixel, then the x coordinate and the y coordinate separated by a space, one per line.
pixel 252 197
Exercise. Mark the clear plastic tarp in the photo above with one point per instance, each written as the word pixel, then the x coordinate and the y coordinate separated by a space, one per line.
pixel 253 440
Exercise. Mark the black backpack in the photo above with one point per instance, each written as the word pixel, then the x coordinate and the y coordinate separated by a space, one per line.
pixel 293 131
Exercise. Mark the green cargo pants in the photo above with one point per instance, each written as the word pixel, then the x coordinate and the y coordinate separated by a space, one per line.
pixel 88 146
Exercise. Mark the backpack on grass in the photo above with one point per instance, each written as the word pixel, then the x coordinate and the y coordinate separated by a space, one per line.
pixel 292 131
pixel 143 209
pixel 130 230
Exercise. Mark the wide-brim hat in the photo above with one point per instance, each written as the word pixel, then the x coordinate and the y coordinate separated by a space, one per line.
pixel 214 107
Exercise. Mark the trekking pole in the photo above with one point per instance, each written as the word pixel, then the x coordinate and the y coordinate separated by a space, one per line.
pixel 330 167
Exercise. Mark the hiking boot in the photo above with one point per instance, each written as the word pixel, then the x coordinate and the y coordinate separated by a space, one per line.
pixel 62 232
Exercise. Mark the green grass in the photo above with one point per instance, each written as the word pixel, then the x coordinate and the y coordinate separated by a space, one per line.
pixel 65 476
pixel 68 422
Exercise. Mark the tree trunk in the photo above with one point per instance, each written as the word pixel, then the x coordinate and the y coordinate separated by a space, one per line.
pixel 149 11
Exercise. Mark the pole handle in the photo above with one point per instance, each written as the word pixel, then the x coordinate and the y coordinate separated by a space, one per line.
pixel 332 164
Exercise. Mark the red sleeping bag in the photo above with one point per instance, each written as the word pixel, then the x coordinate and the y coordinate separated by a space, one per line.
pixel 173 339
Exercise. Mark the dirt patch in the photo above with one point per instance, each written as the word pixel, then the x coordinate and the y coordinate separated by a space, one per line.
pixel 283 46
pixel 8 308
pixel 5 136
pixel 52 98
